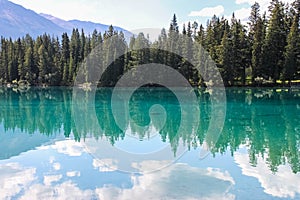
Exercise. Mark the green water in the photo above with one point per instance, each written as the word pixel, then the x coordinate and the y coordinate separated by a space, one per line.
pixel 53 146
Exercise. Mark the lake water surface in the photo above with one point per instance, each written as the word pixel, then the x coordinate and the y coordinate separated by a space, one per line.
pixel 53 146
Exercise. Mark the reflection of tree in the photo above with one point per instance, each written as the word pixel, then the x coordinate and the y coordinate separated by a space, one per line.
pixel 35 110
pixel 105 117
pixel 265 120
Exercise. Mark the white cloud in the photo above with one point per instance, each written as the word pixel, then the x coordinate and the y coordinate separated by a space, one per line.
pixel 264 4
pixel 13 178
pixel 241 14
pixel 261 2
pixel 245 1
pixel 283 184
pixel 208 12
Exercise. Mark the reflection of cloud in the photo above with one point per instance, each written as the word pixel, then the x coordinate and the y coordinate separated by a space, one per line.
pixel 51 159
pixel 73 173
pixel 105 165
pixel 130 162
pixel 178 181
pixel 50 179
pixel 149 165
pixel 69 147
pixel 66 190
pixel 56 166
pixel 13 178
pixel 16 180
pixel 283 184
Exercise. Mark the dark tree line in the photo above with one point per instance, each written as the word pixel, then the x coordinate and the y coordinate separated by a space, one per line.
pixel 266 51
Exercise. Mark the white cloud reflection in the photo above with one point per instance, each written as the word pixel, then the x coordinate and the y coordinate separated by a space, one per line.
pixel 68 147
pixel 13 178
pixel 283 184
pixel 65 190
pixel 178 181
pixel 48 180
pixel 105 165
pixel 73 173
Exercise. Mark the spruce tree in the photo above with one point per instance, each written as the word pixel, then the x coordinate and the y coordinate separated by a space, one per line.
pixel 275 42
pixel 65 58
pixel 292 51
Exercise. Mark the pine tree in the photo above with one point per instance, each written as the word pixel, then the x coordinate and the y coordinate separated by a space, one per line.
pixel 225 60
pixel 256 61
pixel 256 38
pixel 253 20
pixel 42 65
pixel 82 46
pixel 195 27
pixel 174 25
pixel 292 51
pixel 56 70
pixel 275 42
pixel 75 47
pixel 4 61
pixel 15 49
pixel 12 73
pixel 183 29
pixel 65 58
pixel 189 30
pixel 173 38
pixel 186 69
pixel 200 37
pixel 29 65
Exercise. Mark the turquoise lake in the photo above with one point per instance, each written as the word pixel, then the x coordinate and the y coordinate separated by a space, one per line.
pixel 57 145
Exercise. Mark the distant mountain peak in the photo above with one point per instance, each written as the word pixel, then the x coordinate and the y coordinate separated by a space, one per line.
pixel 17 21
pixel 87 26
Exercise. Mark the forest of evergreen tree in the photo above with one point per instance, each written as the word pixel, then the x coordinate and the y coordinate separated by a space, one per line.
pixel 266 51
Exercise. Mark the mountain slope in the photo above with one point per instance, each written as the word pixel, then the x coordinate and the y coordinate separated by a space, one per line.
pixel 87 26
pixel 17 21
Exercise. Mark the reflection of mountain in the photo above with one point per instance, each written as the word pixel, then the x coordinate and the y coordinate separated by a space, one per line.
pixel 12 144
pixel 266 120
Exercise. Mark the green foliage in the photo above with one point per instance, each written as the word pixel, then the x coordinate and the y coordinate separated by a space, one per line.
pixel 269 50
pixel 275 42
pixel 292 51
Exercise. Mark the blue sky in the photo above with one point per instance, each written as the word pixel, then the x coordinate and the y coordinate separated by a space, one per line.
pixel 136 14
